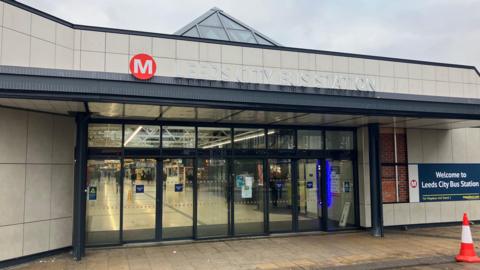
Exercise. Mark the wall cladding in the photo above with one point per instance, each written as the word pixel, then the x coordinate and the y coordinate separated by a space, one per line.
pixel 36 179
pixel 31 40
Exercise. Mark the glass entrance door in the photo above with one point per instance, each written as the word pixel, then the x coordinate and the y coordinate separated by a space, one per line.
pixel 309 194
pixel 340 193
pixel 139 199
pixel 103 202
pixel 248 196
pixel 212 198
pixel 177 219
pixel 280 195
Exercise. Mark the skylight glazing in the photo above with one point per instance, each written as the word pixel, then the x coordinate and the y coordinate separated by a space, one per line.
pixel 216 24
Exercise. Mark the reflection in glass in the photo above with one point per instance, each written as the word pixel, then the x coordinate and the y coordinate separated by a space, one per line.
pixel 178 137
pixel 212 138
pixel 309 195
pixel 104 135
pixel 139 199
pixel 280 191
pixel 281 138
pixel 142 136
pixel 340 194
pixel 178 180
pixel 310 139
pixel 212 205
pixel 248 196
pixel 249 138
pixel 339 140
pixel 103 202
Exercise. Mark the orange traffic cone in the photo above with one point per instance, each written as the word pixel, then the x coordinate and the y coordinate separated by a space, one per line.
pixel 467 249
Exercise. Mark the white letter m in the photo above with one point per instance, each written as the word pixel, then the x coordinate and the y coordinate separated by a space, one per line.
pixel 137 65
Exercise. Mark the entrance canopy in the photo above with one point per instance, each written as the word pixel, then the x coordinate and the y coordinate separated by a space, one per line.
pixel 104 110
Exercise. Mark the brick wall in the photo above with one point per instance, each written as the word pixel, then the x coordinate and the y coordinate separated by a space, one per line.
pixel 392 170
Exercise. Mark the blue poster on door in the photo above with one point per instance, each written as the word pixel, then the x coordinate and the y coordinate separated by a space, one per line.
pixel 139 189
pixel 448 182
pixel 309 184
pixel 92 193
pixel 178 187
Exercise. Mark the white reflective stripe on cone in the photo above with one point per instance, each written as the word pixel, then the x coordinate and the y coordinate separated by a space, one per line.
pixel 466 235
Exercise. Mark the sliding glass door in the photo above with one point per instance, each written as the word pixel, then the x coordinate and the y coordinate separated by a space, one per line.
pixel 103 202
pixel 139 199
pixel 178 177
pixel 212 198
pixel 309 194
pixel 248 196
pixel 280 203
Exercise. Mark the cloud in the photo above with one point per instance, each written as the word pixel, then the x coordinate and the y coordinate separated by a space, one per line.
pixel 433 30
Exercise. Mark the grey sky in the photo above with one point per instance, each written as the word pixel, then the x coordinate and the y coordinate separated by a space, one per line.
pixel 432 30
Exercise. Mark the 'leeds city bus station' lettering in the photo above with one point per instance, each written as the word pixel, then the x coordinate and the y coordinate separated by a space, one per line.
pixel 250 74
pixel 450 184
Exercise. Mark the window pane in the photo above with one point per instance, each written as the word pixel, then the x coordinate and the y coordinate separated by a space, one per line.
pixel 212 32
pixel 214 138
pixel 103 202
pixel 241 36
pixel 192 32
pixel 339 140
pixel 212 20
pixel 104 135
pixel 178 137
pixel 281 139
pixel 310 139
pixel 262 40
pixel 231 24
pixel 340 190
pixel 249 138
pixel 142 136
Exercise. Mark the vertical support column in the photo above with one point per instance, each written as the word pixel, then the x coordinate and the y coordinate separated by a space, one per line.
pixel 295 196
pixel 375 179
pixel 79 197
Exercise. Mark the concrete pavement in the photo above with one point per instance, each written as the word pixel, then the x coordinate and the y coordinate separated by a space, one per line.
pixel 423 248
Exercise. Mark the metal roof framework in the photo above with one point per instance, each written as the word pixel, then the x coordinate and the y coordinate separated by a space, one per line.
pixel 217 24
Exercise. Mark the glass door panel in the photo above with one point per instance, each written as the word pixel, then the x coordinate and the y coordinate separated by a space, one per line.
pixel 309 194
pixel 178 177
pixel 248 188
pixel 103 202
pixel 280 192
pixel 139 199
pixel 212 205
pixel 340 194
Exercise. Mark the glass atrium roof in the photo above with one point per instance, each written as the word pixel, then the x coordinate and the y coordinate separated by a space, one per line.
pixel 216 24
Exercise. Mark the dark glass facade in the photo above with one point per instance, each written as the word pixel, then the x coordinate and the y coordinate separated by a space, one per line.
pixel 164 181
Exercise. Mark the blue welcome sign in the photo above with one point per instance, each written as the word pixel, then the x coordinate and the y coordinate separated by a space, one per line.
pixel 448 182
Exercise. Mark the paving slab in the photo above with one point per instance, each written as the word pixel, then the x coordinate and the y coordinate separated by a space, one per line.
pixel 414 248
